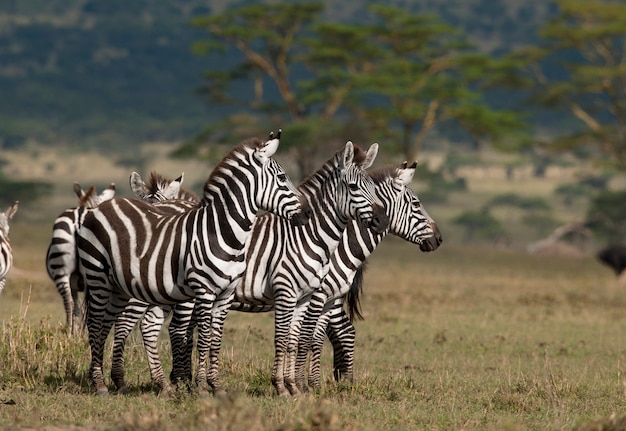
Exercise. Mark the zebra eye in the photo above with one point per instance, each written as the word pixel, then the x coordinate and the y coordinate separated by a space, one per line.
pixel 282 177
pixel 353 186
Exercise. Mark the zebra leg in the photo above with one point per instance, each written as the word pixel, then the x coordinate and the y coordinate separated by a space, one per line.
pixel 179 329
pixel 151 325
pixel 316 345
pixel 313 313
pixel 292 349
pixel 342 334
pixel 103 307
pixel 219 312
pixel 283 308
pixel 76 307
pixel 204 305
pixel 123 327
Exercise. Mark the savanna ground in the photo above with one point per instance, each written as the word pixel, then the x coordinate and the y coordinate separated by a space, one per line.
pixel 468 337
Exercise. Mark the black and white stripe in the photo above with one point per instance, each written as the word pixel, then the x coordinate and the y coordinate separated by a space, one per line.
pixel 6 252
pixel 284 263
pixel 61 254
pixel 407 219
pixel 167 195
pixel 129 248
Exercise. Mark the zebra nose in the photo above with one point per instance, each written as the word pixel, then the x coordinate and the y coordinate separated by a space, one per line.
pixel 380 220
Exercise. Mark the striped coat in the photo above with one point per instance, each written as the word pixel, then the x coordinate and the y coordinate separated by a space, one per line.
pixel 284 263
pixel 6 252
pixel 408 220
pixel 61 254
pixel 129 248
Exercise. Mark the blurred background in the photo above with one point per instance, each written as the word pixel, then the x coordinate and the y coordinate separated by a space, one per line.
pixel 514 109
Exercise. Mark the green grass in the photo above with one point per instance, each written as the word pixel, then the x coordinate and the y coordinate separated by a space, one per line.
pixel 466 337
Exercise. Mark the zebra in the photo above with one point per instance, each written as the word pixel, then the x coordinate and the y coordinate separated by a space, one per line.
pixel 130 248
pixel 325 315
pixel 158 190
pixel 61 253
pixel 6 252
pixel 282 262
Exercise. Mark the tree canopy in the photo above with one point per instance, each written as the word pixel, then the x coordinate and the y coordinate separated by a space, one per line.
pixel 587 41
pixel 399 74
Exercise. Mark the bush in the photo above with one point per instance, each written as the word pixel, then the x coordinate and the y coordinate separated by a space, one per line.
pixel 525 203
pixel 480 225
pixel 606 215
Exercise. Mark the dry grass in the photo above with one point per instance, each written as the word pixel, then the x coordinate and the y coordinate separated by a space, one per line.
pixel 463 338
pixel 468 337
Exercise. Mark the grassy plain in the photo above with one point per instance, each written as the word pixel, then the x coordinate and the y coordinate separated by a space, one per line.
pixel 465 338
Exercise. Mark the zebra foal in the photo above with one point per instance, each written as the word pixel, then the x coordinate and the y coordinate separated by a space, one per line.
pixel 6 252
pixel 408 220
pixel 130 248
pixel 61 253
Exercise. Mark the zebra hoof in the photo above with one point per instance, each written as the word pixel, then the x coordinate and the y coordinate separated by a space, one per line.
pixel 203 393
pixel 123 390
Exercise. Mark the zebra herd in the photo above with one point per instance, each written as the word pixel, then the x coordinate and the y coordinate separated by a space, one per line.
pixel 197 258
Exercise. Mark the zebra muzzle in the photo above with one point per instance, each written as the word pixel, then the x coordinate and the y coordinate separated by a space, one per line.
pixel 303 216
pixel 380 220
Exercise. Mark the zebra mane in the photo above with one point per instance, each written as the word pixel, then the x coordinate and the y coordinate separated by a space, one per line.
pixel 156 183
pixel 89 199
pixel 244 147
pixel 325 170
pixel 381 174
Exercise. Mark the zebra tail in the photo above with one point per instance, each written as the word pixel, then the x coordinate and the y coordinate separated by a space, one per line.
pixel 353 297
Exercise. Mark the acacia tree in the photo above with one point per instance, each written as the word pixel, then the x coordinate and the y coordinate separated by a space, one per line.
pixel 271 40
pixel 428 76
pixel 406 71
pixel 587 41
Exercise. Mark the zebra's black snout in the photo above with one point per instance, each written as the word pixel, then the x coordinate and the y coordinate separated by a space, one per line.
pixel 303 216
pixel 432 243
pixel 380 220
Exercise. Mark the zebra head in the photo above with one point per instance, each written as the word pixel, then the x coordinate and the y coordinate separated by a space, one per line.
pixel 408 219
pixel 6 216
pixel 356 197
pixel 89 198
pixel 160 189
pixel 275 191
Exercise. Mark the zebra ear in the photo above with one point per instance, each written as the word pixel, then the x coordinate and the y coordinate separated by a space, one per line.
pixel 78 190
pixel 137 185
pixel 173 188
pixel 107 194
pixel 370 156
pixel 268 148
pixel 348 154
pixel 10 212
pixel 405 175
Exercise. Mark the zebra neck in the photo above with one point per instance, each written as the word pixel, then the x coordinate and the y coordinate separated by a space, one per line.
pixel 360 241
pixel 231 208
pixel 322 199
